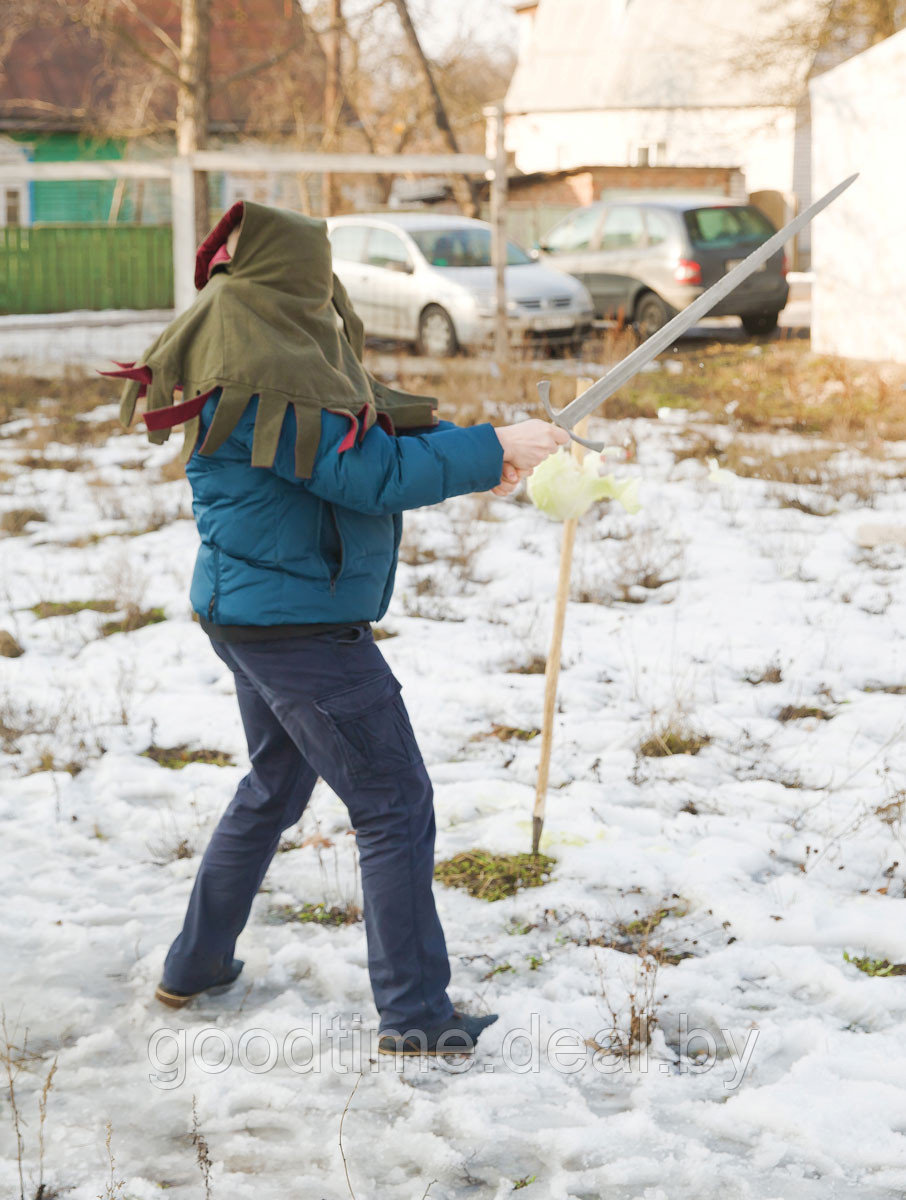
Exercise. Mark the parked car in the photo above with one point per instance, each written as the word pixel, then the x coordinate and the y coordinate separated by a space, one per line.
pixel 644 261
pixel 427 279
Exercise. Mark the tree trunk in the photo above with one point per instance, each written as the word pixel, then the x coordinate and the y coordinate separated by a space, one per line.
pixel 194 98
pixel 332 102
pixel 465 190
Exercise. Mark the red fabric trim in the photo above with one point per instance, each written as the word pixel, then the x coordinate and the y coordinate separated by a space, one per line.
pixel 176 414
pixel 213 242
pixel 386 423
pixel 130 371
pixel 349 440
pixel 222 256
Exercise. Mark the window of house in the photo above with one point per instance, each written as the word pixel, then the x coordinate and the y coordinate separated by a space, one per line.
pixel 13 207
pixel 347 242
pixel 649 154
pixel 623 228
pixel 385 249
pixel 577 232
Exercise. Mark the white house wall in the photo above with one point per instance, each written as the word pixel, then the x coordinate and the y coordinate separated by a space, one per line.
pixel 760 141
pixel 858 245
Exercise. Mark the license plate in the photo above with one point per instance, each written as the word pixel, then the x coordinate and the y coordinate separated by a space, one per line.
pixel 562 321
pixel 734 262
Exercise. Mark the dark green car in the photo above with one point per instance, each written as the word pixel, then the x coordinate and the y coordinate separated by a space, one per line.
pixel 644 261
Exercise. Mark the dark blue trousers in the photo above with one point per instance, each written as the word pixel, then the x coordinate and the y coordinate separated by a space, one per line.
pixel 326 705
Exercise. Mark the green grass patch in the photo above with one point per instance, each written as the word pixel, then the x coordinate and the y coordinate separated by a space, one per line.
pixel 665 742
pixel 177 757
pixel 507 733
pixel 875 966
pixel 66 608
pixel 316 914
pixel 134 618
pixel 494 876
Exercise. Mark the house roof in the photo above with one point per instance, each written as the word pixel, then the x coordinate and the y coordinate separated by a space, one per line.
pixel 618 54
pixel 55 74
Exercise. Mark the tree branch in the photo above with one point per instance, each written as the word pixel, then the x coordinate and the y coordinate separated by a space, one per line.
pixel 161 34
pixel 264 65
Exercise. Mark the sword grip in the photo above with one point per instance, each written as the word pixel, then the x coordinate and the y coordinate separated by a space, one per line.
pixel 544 391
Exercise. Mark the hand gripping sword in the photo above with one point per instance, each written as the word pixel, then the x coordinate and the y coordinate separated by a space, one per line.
pixel 630 366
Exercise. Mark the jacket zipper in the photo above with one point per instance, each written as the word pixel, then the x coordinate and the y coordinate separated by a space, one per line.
pixel 214 586
pixel 339 571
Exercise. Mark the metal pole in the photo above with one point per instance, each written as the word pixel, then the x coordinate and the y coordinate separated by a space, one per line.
pixel 182 195
pixel 499 239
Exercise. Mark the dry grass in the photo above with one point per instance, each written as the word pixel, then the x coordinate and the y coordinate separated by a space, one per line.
pixel 494 876
pixel 673 735
pixel 506 733
pixel 778 386
pixel 177 757
pixel 133 618
pixel 57 407
pixel 15 521
pixel 802 712
pixel 536 665
pixel 645 560
pixel 41 462
pixel 773 673
pixel 9 647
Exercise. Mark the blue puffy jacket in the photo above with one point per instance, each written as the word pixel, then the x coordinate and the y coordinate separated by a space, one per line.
pixel 279 550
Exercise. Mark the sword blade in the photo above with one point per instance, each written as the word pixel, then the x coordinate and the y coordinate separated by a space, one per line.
pixel 650 349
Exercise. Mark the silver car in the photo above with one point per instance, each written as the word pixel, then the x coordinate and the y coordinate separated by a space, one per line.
pixel 427 279
pixel 644 261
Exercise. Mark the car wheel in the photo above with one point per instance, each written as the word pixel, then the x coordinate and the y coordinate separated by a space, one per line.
pixel 760 323
pixel 650 315
pixel 436 334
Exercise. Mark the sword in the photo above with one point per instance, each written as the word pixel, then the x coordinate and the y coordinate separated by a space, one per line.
pixel 630 366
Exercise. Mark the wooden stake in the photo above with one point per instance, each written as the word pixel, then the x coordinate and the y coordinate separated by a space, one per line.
pixel 552 668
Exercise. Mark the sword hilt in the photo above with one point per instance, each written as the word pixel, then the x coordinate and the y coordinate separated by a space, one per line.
pixel 544 391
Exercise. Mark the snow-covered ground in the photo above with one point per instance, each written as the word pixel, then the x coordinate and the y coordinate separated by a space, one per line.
pixel 776 848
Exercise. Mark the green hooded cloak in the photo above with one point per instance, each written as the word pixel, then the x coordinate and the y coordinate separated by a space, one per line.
pixel 272 321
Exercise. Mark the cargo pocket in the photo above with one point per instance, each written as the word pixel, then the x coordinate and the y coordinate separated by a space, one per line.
pixel 371 728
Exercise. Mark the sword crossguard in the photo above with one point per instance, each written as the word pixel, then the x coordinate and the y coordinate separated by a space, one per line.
pixel 544 391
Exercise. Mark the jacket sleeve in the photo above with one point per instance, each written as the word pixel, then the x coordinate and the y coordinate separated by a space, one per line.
pixel 384 474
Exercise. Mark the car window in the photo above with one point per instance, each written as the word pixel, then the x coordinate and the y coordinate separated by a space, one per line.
pixel 348 242
pixel 467 247
pixel 660 228
pixel 728 225
pixel 386 249
pixel 623 229
pixel 575 233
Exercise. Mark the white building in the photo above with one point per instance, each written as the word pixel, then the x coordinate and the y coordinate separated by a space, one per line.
pixel 659 82
pixel 859 116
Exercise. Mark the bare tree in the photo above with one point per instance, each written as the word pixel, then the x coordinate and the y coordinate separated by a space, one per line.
pixel 469 194
pixel 194 96
pixel 820 35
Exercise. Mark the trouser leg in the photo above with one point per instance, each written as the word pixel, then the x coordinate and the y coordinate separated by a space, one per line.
pixel 339 701
pixel 270 798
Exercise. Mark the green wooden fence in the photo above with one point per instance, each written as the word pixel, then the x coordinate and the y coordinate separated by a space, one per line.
pixel 58 268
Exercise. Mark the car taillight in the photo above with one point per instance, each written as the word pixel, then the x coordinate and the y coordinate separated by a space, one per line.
pixel 786 266
pixel 688 271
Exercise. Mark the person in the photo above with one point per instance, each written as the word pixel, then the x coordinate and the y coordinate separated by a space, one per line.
pixel 301 465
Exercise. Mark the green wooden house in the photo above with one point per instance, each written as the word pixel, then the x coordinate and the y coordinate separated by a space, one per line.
pixel 102 244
